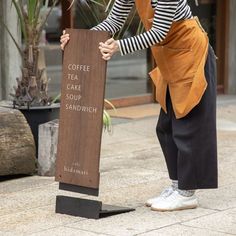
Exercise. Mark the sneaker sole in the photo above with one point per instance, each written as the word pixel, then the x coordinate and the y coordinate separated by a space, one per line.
pixel 176 209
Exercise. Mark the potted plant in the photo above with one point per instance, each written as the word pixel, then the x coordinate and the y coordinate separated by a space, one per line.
pixel 31 92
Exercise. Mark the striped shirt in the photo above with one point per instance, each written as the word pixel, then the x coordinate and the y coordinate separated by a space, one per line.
pixel 166 11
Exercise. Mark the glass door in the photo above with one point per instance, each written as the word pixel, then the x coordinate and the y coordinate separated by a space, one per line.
pixel 206 12
pixel 212 15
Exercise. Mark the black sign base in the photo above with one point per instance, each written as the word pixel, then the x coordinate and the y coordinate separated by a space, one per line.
pixel 90 209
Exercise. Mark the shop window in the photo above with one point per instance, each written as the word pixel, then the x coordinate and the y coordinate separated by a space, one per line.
pixel 206 12
pixel 127 75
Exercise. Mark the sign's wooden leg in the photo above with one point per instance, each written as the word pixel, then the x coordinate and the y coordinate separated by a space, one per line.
pixel 79 189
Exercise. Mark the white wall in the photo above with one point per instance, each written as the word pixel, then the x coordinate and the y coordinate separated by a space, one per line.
pixel 10 58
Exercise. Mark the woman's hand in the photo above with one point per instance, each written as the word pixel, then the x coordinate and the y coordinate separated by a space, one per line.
pixel 64 39
pixel 108 48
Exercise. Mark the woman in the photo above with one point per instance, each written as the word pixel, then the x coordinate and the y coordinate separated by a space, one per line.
pixel 185 82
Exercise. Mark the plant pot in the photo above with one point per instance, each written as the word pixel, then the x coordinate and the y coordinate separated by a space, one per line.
pixel 39 115
pixel 36 116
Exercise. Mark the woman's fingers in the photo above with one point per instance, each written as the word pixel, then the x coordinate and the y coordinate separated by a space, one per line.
pixel 64 39
pixel 105 50
pixel 65 36
pixel 106 57
pixel 106 53
pixel 63 43
pixel 63 46
pixel 110 41
pixel 108 48
pixel 104 45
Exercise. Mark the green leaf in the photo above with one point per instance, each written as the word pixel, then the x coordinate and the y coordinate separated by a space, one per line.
pixel 56 98
pixel 20 16
pixel 107 122
pixel 108 5
pixel 97 3
pixel 38 9
pixel 31 7
pixel 110 104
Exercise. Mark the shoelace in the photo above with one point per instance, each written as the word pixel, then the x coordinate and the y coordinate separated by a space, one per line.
pixel 172 196
pixel 166 192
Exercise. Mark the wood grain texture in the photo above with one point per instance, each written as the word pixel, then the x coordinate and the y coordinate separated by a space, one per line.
pixel 82 101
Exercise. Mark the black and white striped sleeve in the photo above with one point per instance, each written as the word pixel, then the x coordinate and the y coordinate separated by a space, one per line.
pixel 116 17
pixel 165 11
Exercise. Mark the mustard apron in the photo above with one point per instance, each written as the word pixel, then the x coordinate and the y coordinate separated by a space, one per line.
pixel 185 49
pixel 185 80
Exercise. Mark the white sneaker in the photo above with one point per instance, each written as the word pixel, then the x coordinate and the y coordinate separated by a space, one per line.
pixel 175 202
pixel 165 193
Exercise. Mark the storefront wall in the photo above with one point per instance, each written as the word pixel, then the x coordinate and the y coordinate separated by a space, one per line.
pixel 10 58
pixel 127 76
pixel 232 49
pixel 221 21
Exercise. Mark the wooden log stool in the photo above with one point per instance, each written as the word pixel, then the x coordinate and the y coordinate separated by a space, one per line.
pixel 17 148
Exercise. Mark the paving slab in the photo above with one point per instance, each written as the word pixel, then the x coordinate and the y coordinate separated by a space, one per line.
pixel 119 135
pixel 140 221
pixel 33 220
pixel 224 124
pixel 183 230
pixel 128 177
pixel 134 195
pixel 125 147
pixel 145 127
pixel 220 199
pixel 132 170
pixel 67 231
pixel 224 222
pixel 227 174
pixel 10 234
pixel 227 111
pixel 27 182
pixel 27 199
pixel 150 158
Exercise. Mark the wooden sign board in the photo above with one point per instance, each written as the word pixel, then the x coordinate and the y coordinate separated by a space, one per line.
pixel 81 112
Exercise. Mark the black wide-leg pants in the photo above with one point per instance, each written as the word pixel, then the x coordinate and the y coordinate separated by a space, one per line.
pixel 189 144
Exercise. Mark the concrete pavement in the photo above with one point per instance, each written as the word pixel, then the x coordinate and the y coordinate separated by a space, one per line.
pixel 132 170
